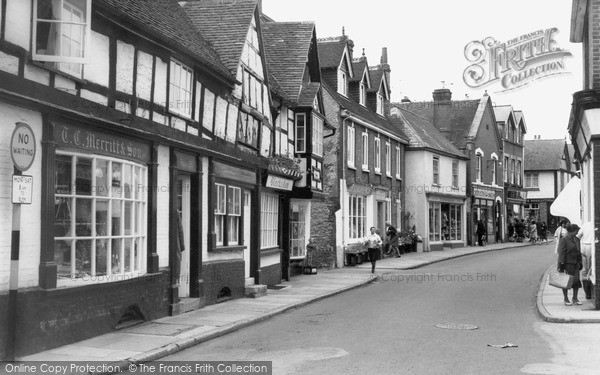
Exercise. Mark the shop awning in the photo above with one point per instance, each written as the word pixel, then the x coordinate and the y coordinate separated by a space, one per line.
pixel 568 203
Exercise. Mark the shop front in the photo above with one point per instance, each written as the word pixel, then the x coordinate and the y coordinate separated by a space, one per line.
pixel 446 222
pixel 515 204
pixel 486 205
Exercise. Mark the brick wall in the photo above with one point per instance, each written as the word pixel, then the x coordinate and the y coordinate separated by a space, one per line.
pixel 323 232
pixel 270 275
pixel 593 46
pixel 220 274
pixel 52 318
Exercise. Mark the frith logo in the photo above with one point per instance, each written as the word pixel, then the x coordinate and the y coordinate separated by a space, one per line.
pixel 515 63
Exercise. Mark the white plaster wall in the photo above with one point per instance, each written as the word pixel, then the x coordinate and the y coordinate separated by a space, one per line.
pixel 9 63
pixel 30 214
pixel 33 73
pixel 143 113
pixel 18 22
pixel 97 70
pixel 94 97
pixel 125 67
pixel 65 84
pixel 209 107
pixel 177 123
pixel 220 117
pixel 197 102
pixel 143 86
pixel 160 82
pixel 546 186
pixel 232 121
pixel 162 228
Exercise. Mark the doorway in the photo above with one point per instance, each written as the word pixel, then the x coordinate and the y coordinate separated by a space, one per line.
pixel 183 210
pixel 247 237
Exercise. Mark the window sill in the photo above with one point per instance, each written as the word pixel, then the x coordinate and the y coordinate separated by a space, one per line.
pixel 388 175
pixel 228 249
pixel 364 169
pixel 351 167
pixel 398 177
pixel 270 251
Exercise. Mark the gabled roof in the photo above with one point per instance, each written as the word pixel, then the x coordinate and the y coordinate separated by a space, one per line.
pixel 333 52
pixel 520 120
pixel 365 114
pixel 360 68
pixel 503 113
pixel 287 47
pixel 166 20
pixel 422 134
pixel 377 79
pixel 308 93
pixel 465 117
pixel 544 154
pixel 224 23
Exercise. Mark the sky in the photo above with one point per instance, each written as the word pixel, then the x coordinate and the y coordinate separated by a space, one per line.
pixel 426 43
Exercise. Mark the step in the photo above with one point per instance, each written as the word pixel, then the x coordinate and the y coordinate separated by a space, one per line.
pixel 256 291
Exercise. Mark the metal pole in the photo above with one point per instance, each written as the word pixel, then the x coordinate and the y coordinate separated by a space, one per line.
pixel 14 278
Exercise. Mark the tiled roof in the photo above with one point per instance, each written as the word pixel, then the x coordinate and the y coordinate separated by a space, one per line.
pixel 519 117
pixel 463 122
pixel 225 24
pixel 359 67
pixel 286 47
pixel 422 134
pixel 330 52
pixel 544 154
pixel 168 21
pixel 276 88
pixel 365 114
pixel 502 112
pixel 308 93
pixel 376 77
pixel 571 150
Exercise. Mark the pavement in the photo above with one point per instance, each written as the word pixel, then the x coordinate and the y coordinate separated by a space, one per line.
pixel 158 338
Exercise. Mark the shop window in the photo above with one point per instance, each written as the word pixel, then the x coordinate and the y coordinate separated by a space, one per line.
pixel 298 217
pixel 228 213
pixel 180 89
pixel 100 217
pixel 269 215
pixel 62 33
pixel 434 222
pixel 451 221
pixel 357 216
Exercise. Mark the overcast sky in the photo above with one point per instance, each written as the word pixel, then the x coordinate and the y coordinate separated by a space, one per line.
pixel 426 42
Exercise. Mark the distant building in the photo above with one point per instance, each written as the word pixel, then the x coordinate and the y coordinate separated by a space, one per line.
pixel 548 168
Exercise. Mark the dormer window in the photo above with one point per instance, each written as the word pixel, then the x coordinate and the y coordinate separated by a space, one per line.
pixel 62 33
pixel 380 103
pixel 342 82
pixel 362 93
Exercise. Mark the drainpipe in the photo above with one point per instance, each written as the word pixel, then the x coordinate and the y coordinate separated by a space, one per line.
pixel 345 116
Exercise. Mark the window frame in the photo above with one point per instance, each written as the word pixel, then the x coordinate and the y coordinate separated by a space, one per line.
pixel 351 147
pixel 380 105
pixel 398 163
pixel 173 107
pixel 436 170
pixel 138 214
pixel 455 173
pixel 377 156
pixel 223 233
pixel 342 82
pixel 269 220
pixel 300 135
pixel 388 159
pixel 362 94
pixel 317 135
pixel 365 151
pixel 357 217
pixel 478 167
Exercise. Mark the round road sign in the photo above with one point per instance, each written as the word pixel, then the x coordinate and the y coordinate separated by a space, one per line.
pixel 22 146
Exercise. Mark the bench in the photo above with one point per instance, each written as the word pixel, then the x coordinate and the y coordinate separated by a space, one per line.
pixel 355 253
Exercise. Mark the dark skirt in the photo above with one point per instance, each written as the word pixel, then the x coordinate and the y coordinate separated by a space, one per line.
pixel 573 270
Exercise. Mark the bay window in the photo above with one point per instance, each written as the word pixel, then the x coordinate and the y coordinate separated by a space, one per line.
pixel 99 216
pixel 317 135
pixel 300 132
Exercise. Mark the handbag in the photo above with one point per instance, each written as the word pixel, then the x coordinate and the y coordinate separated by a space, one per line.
pixel 560 280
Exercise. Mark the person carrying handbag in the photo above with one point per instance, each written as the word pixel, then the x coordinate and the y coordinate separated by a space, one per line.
pixel 570 261
pixel 560 232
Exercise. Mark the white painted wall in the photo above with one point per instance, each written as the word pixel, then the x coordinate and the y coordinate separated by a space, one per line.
pixel 97 70
pixel 209 106
pixel 269 260
pixel 125 67
pixel 160 82
pixel 546 186
pixel 143 86
pixel 162 220
pixel 18 22
pixel 30 214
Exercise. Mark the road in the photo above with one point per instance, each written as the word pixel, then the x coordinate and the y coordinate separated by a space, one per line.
pixel 390 327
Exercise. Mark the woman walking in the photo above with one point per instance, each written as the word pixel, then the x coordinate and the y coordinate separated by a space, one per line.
pixel 560 232
pixel 570 261
pixel 373 243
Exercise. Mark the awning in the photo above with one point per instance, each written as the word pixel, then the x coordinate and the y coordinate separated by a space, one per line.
pixel 568 203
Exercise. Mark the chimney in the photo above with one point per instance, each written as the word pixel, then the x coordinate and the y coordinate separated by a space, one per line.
pixel 384 59
pixel 442 107
pixel 383 64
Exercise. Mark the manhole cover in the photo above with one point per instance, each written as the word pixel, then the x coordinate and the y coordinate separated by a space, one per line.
pixel 456 326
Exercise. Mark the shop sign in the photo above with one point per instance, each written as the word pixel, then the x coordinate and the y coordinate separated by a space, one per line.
pixel 280 183
pixel 479 192
pixel 22 189
pixel 515 194
pixel 22 146
pixel 101 143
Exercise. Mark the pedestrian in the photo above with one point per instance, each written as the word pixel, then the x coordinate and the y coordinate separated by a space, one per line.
pixel 511 231
pixel 533 232
pixel 392 240
pixel 519 229
pixel 373 243
pixel 587 239
pixel 570 261
pixel 480 232
pixel 559 233
pixel 543 232
pixel 310 253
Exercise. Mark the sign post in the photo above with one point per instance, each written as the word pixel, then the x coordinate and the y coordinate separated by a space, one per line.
pixel 22 152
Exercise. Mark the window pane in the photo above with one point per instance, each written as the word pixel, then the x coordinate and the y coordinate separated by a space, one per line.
pixel 116 261
pixel 83 256
pixel 83 225
pixel 101 217
pixel 62 217
pixel 117 180
pixel 127 218
pixel 128 249
pixel 83 176
pixel 101 174
pixel 116 218
pixel 62 257
pixel 101 256
pixel 127 180
pixel 63 174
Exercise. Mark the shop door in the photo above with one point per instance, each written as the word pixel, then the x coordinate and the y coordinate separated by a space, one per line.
pixel 247 233
pixel 381 215
pixel 183 209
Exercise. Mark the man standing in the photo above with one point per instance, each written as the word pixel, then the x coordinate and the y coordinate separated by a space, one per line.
pixel 480 232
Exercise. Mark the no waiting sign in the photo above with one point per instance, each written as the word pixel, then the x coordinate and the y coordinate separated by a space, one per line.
pixel 22 146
